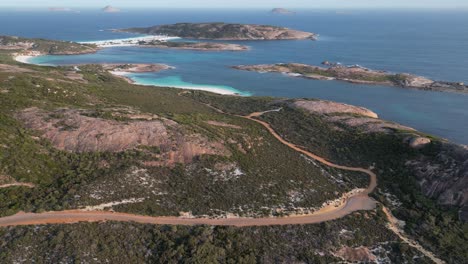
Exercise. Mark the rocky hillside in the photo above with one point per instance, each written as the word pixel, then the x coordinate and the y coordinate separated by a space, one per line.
pixel 442 176
pixel 223 31
pixel 43 46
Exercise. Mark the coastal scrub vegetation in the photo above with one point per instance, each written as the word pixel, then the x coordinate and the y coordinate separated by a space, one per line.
pixel 260 177
pixel 385 152
pixel 138 243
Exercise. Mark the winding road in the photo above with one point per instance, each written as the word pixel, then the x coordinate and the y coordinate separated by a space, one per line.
pixel 354 202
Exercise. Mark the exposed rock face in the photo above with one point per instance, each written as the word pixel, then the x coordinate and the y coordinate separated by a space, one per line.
pixel 356 74
pixel 368 125
pixel 327 107
pixel 71 130
pixel 419 142
pixel 409 80
pixel 445 178
pixel 360 254
pixel 223 31
pixel 349 115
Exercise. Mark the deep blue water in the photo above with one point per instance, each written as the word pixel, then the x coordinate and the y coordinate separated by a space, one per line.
pixel 428 43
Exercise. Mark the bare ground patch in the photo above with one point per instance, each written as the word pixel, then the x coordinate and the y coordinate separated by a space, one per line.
pixel 221 124
pixel 79 131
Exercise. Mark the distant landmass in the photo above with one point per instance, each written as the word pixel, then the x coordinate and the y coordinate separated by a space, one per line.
pixel 110 9
pixel 282 11
pixel 62 9
pixel 224 31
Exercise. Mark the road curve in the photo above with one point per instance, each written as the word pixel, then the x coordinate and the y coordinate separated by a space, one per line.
pixel 67 217
pixel 355 202
pixel 372 175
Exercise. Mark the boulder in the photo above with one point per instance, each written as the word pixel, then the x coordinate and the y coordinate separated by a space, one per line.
pixel 419 142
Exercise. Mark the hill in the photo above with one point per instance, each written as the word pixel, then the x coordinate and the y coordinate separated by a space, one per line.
pixel 223 31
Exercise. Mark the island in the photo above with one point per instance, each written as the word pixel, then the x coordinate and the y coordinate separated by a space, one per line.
pixel 282 11
pixel 110 9
pixel 358 75
pixel 224 31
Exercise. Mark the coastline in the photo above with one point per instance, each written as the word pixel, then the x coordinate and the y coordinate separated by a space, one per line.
pixel 200 87
pixel 23 59
pixel 128 42
pixel 356 74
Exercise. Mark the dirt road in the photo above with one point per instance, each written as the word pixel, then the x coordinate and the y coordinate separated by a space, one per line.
pixel 356 202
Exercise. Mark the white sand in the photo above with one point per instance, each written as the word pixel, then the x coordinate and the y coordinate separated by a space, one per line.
pixel 23 59
pixel 205 88
pixel 197 87
pixel 128 41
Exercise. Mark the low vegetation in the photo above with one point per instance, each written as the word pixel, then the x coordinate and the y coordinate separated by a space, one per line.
pixel 136 243
pixel 258 177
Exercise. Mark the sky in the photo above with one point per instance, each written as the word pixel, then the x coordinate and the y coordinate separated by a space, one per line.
pixel 451 4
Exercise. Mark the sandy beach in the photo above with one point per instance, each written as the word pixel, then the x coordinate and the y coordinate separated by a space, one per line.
pixel 125 75
pixel 126 42
pixel 23 58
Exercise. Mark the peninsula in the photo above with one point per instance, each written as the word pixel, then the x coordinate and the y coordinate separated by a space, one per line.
pixel 224 31
pixel 37 47
pixel 357 74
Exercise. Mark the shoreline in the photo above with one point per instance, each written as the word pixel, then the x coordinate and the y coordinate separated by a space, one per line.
pixel 26 57
pixel 127 42
pixel 124 75
pixel 207 88
pixel 23 59
pixel 356 74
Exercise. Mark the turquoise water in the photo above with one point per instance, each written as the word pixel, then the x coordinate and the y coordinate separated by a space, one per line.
pixel 428 43
pixel 177 82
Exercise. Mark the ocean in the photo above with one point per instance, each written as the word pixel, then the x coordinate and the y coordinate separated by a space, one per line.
pixel 430 43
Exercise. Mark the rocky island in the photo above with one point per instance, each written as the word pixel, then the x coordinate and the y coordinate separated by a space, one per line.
pixel 224 31
pixel 110 9
pixel 357 74
pixel 282 11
